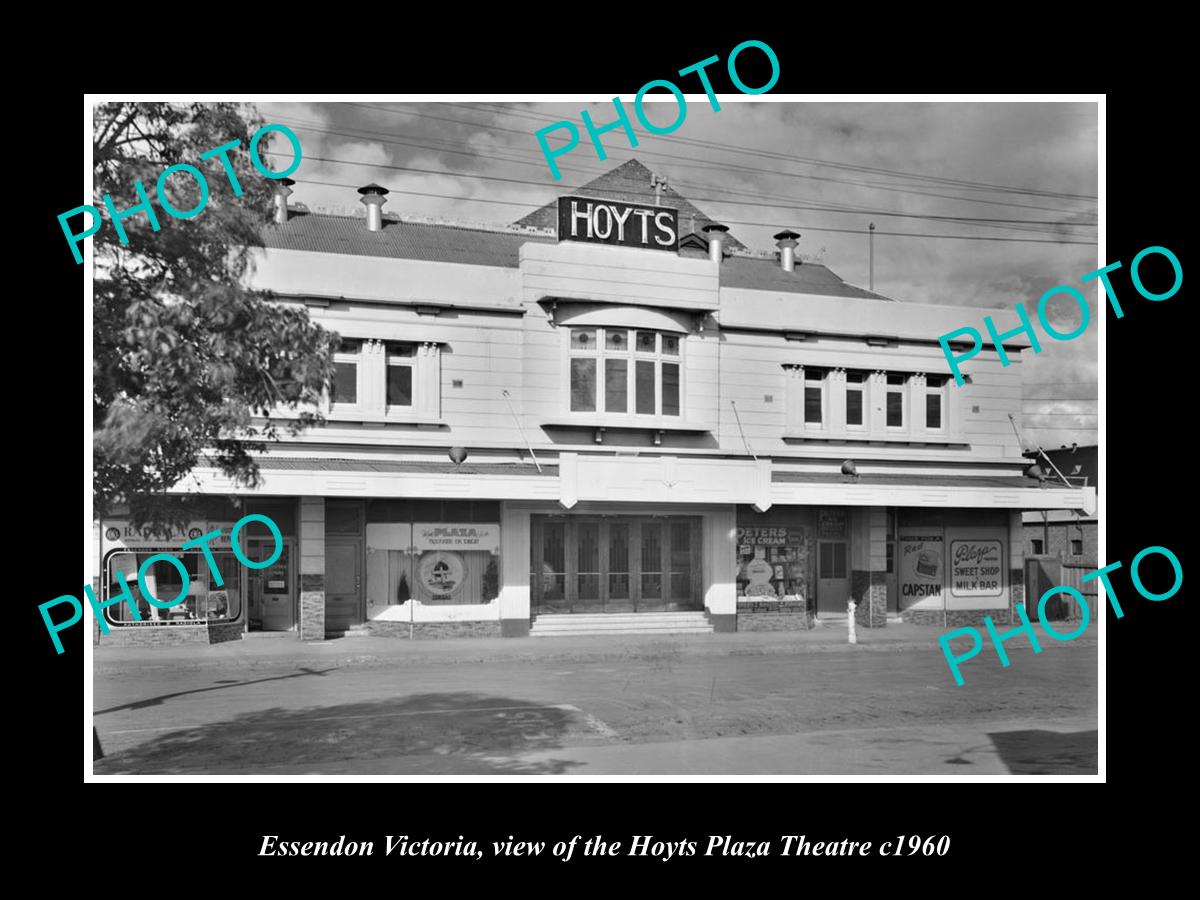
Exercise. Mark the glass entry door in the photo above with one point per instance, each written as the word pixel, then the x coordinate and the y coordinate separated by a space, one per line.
pixel 615 564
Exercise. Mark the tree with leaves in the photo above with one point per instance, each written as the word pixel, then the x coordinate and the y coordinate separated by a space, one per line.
pixel 190 365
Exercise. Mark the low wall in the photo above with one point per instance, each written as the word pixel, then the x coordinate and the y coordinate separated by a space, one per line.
pixel 774 615
pixel 433 630
pixel 168 635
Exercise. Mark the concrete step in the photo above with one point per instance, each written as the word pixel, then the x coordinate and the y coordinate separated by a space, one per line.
pixel 623 617
pixel 583 632
pixel 571 624
pixel 608 626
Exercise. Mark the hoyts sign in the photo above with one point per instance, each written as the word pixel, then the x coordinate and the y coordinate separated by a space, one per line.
pixel 613 222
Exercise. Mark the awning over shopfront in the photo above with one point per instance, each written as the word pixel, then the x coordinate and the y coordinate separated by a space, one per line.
pixel 575 477
pixel 969 491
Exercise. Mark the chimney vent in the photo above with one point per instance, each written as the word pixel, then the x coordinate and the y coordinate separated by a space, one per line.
pixel 281 190
pixel 786 242
pixel 373 199
pixel 716 240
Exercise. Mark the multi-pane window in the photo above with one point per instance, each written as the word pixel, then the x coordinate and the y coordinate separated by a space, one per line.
pixel 935 401
pixel 832 403
pixel 814 395
pixel 1076 547
pixel 383 380
pixel 895 401
pixel 856 383
pixel 1038 547
pixel 343 387
pixel 400 374
pixel 623 370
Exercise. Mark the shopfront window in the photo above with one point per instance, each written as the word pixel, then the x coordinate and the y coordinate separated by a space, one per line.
pixel 773 561
pixel 430 551
pixel 205 599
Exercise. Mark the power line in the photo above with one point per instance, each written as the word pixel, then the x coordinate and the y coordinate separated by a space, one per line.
pixel 822 207
pixel 852 209
pixel 390 137
pixel 965 184
pixel 829 208
pixel 538 205
pixel 689 161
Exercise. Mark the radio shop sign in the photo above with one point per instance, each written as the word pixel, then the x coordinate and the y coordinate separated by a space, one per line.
pixel 613 222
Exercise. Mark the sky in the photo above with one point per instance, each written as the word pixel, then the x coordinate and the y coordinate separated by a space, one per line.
pixel 917 168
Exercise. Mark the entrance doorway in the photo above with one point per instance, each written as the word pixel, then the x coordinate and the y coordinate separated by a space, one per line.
pixel 833 576
pixel 272 590
pixel 613 564
pixel 343 583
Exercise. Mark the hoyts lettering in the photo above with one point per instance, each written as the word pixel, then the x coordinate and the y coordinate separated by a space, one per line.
pixel 611 222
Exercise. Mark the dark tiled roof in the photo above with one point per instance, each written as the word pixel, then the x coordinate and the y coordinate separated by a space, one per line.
pixel 981 481
pixel 323 233
pixel 630 182
pixel 407 466
pixel 805 278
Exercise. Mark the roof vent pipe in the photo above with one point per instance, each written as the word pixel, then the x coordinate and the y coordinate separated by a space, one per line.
pixel 786 242
pixel 716 240
pixel 280 191
pixel 373 199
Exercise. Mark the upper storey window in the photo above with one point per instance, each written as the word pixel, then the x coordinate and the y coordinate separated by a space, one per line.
pixel 625 371
pixel 385 381
pixel 862 404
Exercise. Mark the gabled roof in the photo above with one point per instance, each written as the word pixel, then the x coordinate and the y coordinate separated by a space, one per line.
pixel 630 182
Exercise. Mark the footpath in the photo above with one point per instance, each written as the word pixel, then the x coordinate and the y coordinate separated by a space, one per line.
pixel 265 651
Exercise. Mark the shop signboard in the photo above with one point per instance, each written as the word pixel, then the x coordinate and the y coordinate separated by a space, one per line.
pixel 449 536
pixel 922 568
pixel 831 523
pixel 595 221
pixel 976 568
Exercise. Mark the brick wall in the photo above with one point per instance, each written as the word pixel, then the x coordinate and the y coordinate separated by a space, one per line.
pixel 434 630
pixel 923 617
pixel 156 635
pixel 219 632
pixel 1060 535
pixel 774 615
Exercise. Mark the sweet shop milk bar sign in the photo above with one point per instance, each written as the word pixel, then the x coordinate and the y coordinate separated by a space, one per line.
pixel 613 222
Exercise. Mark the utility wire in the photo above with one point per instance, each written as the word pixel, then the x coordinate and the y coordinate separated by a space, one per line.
pixel 808 160
pixel 388 137
pixel 843 209
pixel 724 167
pixel 1005 224
pixel 523 181
pixel 962 184
pixel 860 231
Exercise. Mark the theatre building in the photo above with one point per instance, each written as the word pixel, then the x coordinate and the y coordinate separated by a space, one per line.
pixel 610 416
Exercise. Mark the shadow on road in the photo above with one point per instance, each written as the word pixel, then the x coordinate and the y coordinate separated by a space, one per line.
pixel 1048 752
pixel 451 733
pixel 219 686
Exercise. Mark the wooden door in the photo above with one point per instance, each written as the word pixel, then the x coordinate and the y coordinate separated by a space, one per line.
pixel 343 583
